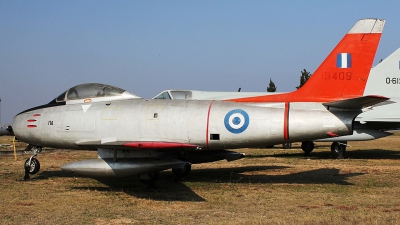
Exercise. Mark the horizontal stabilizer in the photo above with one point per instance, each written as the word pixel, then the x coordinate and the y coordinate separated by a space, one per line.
pixel 357 103
pixel 382 119
pixel 358 135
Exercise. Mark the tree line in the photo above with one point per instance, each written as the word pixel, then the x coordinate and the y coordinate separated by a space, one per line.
pixel 305 75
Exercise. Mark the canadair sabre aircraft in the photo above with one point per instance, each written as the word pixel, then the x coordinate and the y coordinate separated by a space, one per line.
pixel 135 136
pixel 369 125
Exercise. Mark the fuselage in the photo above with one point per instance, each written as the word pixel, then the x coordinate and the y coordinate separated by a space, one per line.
pixel 208 124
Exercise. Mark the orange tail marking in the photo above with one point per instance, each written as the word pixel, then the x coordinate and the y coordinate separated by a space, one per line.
pixel 333 80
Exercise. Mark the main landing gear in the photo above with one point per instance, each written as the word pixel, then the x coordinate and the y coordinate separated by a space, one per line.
pixel 287 145
pixel 32 165
pixel 307 147
pixel 151 178
pixel 182 172
pixel 338 149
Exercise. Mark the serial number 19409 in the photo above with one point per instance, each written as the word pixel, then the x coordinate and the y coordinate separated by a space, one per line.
pixel 337 75
pixel 392 80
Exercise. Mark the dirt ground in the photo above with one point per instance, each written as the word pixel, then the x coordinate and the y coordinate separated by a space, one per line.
pixel 269 186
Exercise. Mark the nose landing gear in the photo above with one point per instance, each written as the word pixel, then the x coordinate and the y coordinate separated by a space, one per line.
pixel 32 165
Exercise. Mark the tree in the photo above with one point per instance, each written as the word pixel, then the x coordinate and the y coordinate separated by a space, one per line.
pixel 271 87
pixel 305 75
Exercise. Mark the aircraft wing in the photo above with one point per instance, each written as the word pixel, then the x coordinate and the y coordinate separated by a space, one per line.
pixel 357 103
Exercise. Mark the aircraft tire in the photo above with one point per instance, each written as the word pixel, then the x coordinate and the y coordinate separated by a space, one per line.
pixel 287 145
pixel 334 150
pixel 150 179
pixel 307 147
pixel 334 146
pixel 184 171
pixel 337 150
pixel 344 148
pixel 34 167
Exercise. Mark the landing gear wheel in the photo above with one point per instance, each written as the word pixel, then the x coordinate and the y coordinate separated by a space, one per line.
pixel 338 149
pixel 286 145
pixel 307 147
pixel 344 146
pixel 149 179
pixel 33 167
pixel 184 171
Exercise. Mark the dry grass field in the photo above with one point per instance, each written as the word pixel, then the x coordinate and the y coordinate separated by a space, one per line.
pixel 269 186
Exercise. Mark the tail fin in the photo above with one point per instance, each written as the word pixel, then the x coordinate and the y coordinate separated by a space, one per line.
pixel 343 74
pixel 384 78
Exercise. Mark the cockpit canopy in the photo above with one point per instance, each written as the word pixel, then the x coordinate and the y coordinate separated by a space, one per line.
pixel 92 91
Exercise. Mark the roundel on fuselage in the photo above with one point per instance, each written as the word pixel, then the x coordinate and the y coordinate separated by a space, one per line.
pixel 236 121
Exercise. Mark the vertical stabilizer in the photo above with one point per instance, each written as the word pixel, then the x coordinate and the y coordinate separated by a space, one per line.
pixel 384 78
pixel 343 74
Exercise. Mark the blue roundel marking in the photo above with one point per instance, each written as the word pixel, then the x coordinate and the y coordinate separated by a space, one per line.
pixel 236 121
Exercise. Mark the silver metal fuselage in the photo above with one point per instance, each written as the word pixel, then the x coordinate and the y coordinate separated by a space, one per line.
pixel 202 123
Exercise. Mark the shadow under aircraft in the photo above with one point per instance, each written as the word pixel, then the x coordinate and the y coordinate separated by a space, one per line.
pixel 178 191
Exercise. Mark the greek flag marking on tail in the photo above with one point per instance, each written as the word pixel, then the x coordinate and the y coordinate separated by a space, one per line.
pixel 343 60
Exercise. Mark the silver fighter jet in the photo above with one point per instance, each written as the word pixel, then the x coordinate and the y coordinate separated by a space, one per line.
pixel 135 136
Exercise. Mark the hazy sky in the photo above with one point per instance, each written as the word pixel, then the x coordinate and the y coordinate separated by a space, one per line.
pixel 145 47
